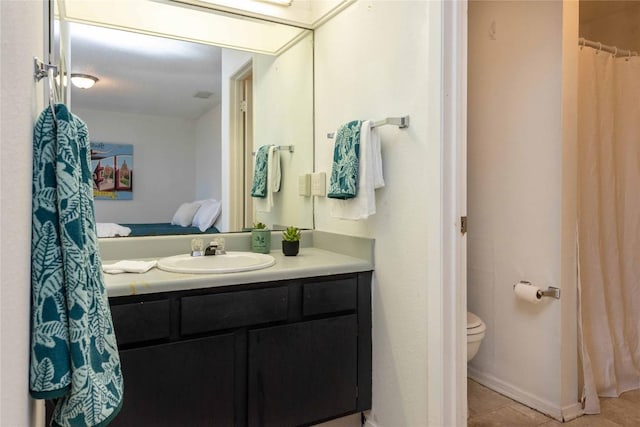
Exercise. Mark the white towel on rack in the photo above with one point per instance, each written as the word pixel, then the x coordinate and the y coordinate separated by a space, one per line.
pixel 370 177
pixel 273 180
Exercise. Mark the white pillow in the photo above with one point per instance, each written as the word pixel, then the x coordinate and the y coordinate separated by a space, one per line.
pixel 207 214
pixel 184 214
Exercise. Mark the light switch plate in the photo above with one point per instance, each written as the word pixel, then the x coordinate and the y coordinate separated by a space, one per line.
pixel 318 184
pixel 304 185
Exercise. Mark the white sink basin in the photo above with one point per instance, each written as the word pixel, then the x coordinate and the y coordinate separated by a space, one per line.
pixel 231 262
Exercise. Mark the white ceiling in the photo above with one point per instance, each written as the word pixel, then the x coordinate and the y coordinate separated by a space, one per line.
pixel 595 9
pixel 143 74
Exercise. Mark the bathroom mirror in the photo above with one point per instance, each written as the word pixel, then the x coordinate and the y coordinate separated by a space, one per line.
pixel 178 104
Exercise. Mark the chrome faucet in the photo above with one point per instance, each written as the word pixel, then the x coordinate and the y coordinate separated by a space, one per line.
pixel 216 247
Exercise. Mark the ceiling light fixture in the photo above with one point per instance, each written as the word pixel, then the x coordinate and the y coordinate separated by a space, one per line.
pixel 83 81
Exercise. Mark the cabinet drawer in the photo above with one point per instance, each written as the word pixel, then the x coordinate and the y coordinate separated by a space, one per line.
pixel 329 296
pixel 141 321
pixel 233 309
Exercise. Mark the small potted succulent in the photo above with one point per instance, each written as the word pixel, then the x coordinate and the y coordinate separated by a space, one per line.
pixel 291 241
pixel 260 238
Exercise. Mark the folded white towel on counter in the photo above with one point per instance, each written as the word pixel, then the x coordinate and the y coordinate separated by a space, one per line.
pixel 109 229
pixel 127 266
pixel 370 178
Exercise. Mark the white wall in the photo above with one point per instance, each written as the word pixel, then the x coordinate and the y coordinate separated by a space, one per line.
pixel 20 103
pixel 378 59
pixel 164 166
pixel 208 154
pixel 283 115
pixel 519 206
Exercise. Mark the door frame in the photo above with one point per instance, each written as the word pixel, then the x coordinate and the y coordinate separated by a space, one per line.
pixel 452 405
pixel 237 152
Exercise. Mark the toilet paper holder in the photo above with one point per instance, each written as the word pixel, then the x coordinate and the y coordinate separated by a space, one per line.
pixel 551 291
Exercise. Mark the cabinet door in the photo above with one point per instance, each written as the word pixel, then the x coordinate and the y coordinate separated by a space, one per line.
pixel 302 373
pixel 187 383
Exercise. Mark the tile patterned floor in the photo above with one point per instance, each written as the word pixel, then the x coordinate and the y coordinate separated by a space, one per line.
pixel 490 409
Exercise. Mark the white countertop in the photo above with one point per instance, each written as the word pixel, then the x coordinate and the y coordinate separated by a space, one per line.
pixel 310 262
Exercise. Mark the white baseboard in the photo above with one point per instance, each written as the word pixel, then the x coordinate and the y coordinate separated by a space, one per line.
pixel 368 420
pixel 572 412
pixel 566 413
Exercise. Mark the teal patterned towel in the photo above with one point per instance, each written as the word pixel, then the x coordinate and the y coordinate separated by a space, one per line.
pixel 259 187
pixel 343 183
pixel 74 355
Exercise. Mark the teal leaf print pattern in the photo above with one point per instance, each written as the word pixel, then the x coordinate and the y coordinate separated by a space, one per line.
pixel 45 373
pixel 53 329
pixel 259 186
pixel 343 183
pixel 74 354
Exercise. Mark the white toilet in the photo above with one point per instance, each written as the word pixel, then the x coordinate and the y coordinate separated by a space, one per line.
pixel 475 333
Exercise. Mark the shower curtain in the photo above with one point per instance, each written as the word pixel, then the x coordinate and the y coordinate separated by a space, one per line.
pixel 608 224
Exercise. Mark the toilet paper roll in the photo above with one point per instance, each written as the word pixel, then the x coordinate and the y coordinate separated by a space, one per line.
pixel 527 292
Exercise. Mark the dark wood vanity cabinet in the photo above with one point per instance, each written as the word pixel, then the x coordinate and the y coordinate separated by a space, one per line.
pixel 303 371
pixel 285 353
pixel 179 383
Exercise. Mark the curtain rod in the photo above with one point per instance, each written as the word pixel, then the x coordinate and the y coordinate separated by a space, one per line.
pixel 610 49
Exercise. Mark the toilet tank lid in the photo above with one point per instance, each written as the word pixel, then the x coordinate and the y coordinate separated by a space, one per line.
pixel 473 321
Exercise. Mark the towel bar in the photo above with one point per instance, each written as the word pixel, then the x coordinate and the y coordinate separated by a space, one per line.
pixel 289 148
pixel 41 70
pixel 402 122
